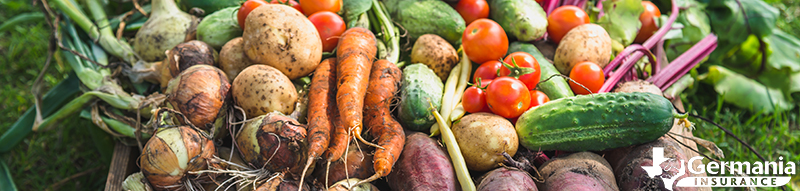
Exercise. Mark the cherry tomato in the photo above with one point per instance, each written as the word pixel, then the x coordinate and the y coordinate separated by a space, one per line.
pixel 589 75
pixel 563 19
pixel 538 98
pixel 330 26
pixel 472 10
pixel 508 97
pixel 648 17
pixel 474 100
pixel 245 9
pixel 523 60
pixel 487 71
pixel 313 6
pixel 292 3
pixel 484 40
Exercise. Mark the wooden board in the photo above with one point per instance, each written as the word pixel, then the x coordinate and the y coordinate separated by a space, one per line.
pixel 123 163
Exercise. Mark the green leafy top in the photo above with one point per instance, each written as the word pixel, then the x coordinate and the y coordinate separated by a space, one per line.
pixel 621 19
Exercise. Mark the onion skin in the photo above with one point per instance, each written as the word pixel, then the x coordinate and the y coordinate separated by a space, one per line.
pixel 183 56
pixel 261 137
pixel 163 162
pixel 199 93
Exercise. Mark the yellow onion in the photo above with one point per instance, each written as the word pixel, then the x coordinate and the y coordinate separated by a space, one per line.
pixel 135 182
pixel 183 56
pixel 274 142
pixel 199 93
pixel 173 152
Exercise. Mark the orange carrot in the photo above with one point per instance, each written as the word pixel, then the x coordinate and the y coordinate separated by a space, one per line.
pixel 384 82
pixel 355 53
pixel 321 93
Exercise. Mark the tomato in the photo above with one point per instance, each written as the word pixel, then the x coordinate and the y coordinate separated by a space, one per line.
pixel 245 9
pixel 589 75
pixel 487 71
pixel 313 6
pixel 472 10
pixel 507 97
pixel 523 60
pixel 330 26
pixel 292 3
pixel 474 100
pixel 563 19
pixel 648 17
pixel 538 98
pixel 484 40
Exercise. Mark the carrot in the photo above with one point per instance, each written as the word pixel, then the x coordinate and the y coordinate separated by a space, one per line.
pixel 322 91
pixel 384 82
pixel 355 52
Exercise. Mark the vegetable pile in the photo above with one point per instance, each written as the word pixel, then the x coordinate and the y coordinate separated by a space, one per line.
pixel 413 94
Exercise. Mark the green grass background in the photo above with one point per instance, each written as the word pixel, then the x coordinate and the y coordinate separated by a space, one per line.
pixel 44 158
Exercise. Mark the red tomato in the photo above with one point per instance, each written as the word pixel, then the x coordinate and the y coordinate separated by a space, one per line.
pixel 589 75
pixel 484 40
pixel 292 3
pixel 507 97
pixel 563 19
pixel 330 26
pixel 474 100
pixel 523 60
pixel 314 6
pixel 245 9
pixel 648 17
pixel 538 98
pixel 472 10
pixel 487 71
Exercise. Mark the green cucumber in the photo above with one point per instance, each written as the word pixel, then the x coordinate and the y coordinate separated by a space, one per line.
pixel 219 27
pixel 209 6
pixel 421 17
pixel 524 20
pixel 596 122
pixel 420 84
pixel 556 87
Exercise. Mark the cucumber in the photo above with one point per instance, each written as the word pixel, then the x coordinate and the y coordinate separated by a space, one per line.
pixel 219 27
pixel 596 122
pixel 524 20
pixel 420 17
pixel 419 85
pixel 209 6
pixel 556 87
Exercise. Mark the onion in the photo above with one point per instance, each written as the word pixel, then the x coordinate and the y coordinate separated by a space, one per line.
pixel 199 93
pixel 185 55
pixel 173 152
pixel 347 185
pixel 166 27
pixel 135 182
pixel 273 142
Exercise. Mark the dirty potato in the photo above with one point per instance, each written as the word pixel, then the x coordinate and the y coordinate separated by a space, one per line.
pixel 436 53
pixel 587 42
pixel 260 89
pixel 280 36
pixel 483 137
pixel 232 59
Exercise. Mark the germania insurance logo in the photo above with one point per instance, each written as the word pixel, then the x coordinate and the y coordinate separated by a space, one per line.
pixel 719 174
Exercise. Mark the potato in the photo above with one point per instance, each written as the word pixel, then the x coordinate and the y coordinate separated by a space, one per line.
pixel 578 171
pixel 587 42
pixel 232 59
pixel 483 137
pixel 260 89
pixel 639 86
pixel 280 36
pixel 436 53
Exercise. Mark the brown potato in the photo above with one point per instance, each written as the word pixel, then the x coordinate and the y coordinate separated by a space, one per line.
pixel 587 42
pixel 483 137
pixel 260 89
pixel 280 36
pixel 436 53
pixel 232 59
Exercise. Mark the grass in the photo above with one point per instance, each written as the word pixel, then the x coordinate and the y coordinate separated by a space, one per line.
pixel 45 158
pixel 42 159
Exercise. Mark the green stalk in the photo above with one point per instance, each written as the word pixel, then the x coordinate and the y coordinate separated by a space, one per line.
pixel 6 182
pixel 389 32
pixel 103 35
pixel 117 126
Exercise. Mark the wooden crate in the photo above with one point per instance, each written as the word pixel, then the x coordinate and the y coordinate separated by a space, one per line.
pixel 123 163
